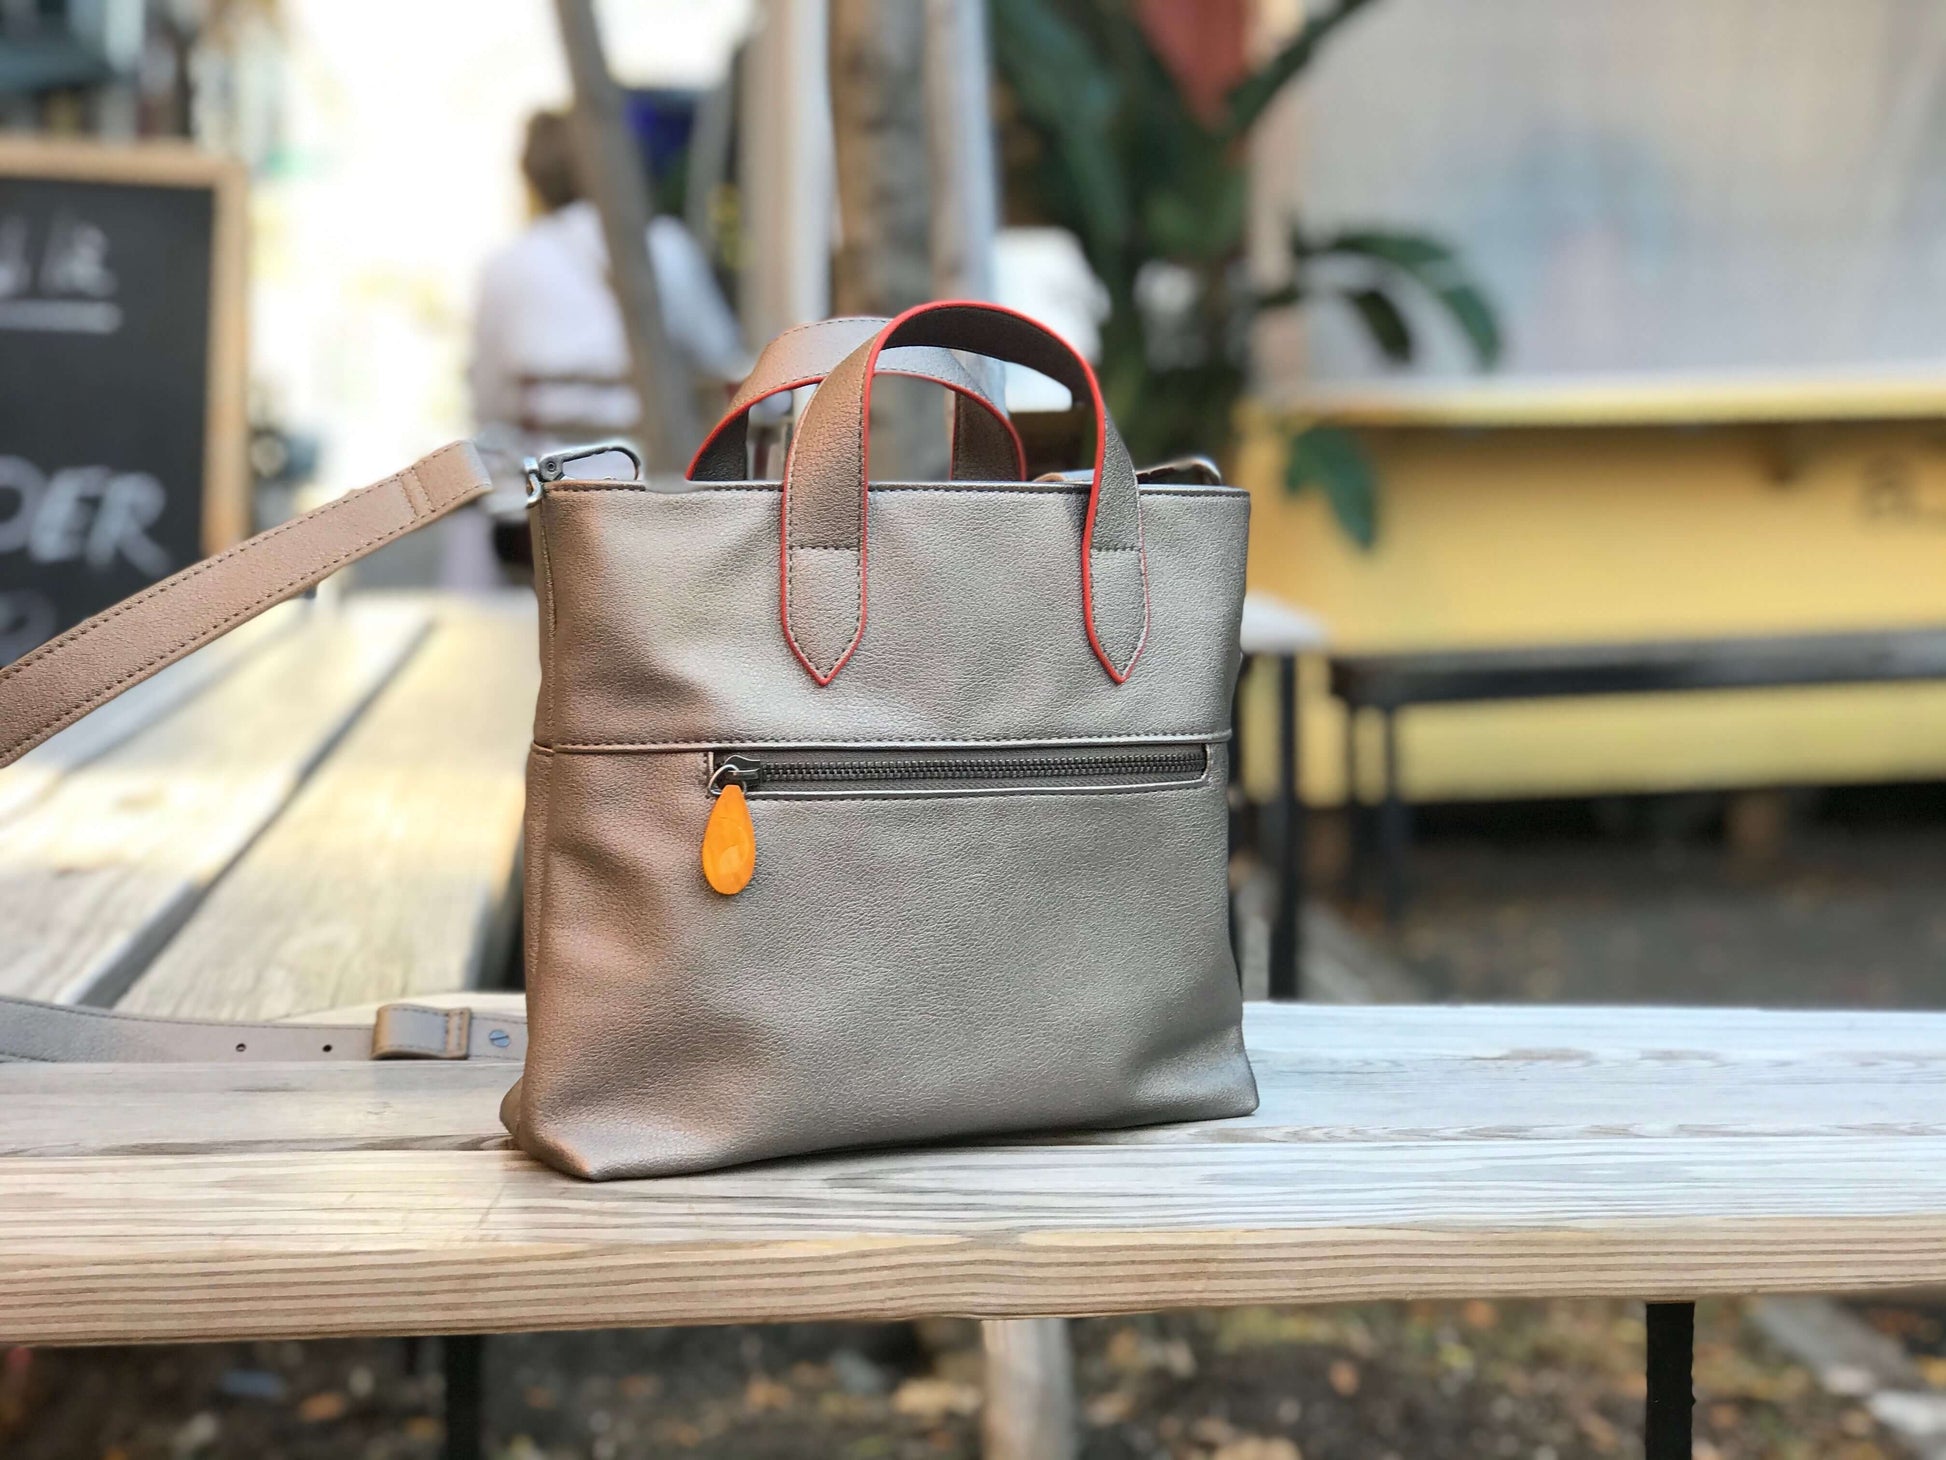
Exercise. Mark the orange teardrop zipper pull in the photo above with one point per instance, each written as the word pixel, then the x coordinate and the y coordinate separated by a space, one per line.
pixel 729 842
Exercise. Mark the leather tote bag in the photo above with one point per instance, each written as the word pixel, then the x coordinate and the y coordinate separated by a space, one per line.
pixel 859 812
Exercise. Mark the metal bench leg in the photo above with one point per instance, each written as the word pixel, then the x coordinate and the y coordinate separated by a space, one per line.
pixel 460 1356
pixel 1354 813
pixel 1394 825
pixel 1287 934
pixel 1667 1428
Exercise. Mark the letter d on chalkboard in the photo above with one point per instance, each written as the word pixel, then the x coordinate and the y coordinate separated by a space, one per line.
pixel 122 430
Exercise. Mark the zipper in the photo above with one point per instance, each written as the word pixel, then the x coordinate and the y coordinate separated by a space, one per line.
pixel 1083 768
pixel 730 838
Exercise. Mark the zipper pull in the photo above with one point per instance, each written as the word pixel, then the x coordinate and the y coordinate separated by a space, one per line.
pixel 729 840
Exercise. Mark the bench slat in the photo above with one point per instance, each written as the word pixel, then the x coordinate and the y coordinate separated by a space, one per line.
pixel 1364 1092
pixel 95 875
pixel 275 1200
pixel 324 1243
pixel 37 772
pixel 392 872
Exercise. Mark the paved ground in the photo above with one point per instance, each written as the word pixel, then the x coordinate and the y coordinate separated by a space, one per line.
pixel 1558 1381
pixel 1643 902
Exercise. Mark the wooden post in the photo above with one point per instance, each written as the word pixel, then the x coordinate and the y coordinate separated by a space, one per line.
pixel 1030 1390
pixel 616 178
pixel 884 260
pixel 959 132
pixel 784 167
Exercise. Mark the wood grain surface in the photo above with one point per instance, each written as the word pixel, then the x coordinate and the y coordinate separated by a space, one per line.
pixel 98 873
pixel 1401 1152
pixel 38 771
pixel 392 872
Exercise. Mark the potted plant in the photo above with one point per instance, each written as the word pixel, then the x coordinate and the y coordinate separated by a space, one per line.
pixel 1156 189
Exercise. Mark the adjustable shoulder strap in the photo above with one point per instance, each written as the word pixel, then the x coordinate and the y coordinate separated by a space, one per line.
pixel 58 1034
pixel 90 664
pixel 55 685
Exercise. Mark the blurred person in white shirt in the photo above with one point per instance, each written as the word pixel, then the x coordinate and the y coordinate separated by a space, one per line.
pixel 550 363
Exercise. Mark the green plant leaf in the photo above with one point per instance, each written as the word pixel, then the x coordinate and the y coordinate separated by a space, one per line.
pixel 1249 97
pixel 1384 322
pixel 1069 97
pixel 1201 222
pixel 1432 265
pixel 1474 315
pixel 1330 459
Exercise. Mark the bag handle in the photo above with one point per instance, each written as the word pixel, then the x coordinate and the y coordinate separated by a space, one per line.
pixel 827 478
pixel 985 445
pixel 51 687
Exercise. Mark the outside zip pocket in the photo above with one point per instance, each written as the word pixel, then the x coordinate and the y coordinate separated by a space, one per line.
pixel 735 777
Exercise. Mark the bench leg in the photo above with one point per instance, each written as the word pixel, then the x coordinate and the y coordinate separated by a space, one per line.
pixel 460 1356
pixel 1287 934
pixel 1029 1412
pixel 1394 826
pixel 1355 829
pixel 1668 1429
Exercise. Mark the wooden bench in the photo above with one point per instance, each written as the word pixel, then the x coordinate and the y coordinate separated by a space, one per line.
pixel 327 816
pixel 1399 1153
pixel 323 808
pixel 1386 684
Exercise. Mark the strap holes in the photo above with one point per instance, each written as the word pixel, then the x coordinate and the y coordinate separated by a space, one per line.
pixel 240 1048
pixel 327 1049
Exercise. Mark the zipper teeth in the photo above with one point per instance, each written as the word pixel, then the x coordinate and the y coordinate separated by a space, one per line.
pixel 959 769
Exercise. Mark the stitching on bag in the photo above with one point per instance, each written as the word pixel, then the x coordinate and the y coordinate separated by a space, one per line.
pixel 541 845
pixel 203 636
pixel 996 489
pixel 1153 788
pixel 891 742
pixel 798 329
pixel 791 567
pixel 408 480
pixel 547 607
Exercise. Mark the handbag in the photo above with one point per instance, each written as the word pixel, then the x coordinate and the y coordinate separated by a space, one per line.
pixel 859 813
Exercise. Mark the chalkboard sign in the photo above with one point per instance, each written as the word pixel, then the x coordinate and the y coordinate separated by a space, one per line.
pixel 122 429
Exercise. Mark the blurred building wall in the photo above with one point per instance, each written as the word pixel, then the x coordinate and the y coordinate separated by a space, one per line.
pixel 1662 193
pixel 1643 184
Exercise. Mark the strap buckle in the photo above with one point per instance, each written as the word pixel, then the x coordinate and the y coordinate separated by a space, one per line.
pixel 418 1032
pixel 554 466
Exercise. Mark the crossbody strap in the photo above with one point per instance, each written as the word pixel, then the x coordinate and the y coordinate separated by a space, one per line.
pixel 56 1033
pixel 56 684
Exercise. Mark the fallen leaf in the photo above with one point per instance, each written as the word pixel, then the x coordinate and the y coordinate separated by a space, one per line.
pixel 1258 1447
pixel 1343 1377
pixel 326 1405
pixel 932 1398
pixel 1110 1408
pixel 764 1393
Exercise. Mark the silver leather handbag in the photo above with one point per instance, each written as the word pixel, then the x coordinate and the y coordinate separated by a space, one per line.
pixel 858 812
pixel 977 733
